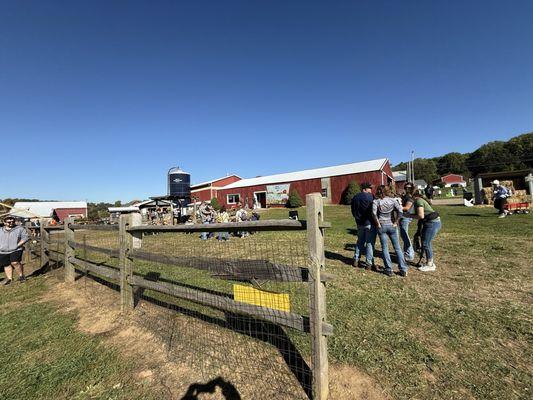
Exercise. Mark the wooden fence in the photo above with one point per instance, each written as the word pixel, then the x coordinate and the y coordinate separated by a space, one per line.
pixel 58 245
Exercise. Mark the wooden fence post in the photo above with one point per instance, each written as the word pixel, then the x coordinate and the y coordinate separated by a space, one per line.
pixel 128 242
pixel 70 272
pixel 317 296
pixel 44 243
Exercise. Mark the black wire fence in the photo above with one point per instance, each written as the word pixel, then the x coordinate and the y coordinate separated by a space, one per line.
pixel 238 304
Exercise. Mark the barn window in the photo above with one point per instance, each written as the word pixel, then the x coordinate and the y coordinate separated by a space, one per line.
pixel 324 192
pixel 233 198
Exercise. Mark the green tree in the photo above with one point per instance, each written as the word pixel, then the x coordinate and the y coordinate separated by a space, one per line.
pixel 295 200
pixel 425 169
pixel 215 204
pixel 118 203
pixel 351 190
pixel 491 157
pixel 452 163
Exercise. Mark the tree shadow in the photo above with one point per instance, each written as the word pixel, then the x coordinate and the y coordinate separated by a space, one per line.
pixel 229 391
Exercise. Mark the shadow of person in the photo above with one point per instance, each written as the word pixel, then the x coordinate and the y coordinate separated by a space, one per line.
pixel 228 390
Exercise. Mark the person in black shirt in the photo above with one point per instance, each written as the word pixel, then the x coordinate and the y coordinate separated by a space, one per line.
pixel 366 230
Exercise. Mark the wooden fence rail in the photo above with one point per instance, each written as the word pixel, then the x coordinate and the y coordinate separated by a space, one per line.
pixel 130 233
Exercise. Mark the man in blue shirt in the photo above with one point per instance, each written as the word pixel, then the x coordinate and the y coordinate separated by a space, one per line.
pixel 500 198
pixel 366 231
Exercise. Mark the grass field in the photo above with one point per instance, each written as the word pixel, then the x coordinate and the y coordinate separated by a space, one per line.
pixel 464 331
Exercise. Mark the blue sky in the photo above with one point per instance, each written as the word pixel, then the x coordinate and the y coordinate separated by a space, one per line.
pixel 99 99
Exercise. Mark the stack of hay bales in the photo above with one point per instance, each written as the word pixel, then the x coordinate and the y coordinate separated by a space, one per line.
pixel 519 196
pixel 488 192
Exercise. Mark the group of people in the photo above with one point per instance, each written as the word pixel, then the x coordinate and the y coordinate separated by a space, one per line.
pixel 381 215
pixel 12 240
pixel 208 215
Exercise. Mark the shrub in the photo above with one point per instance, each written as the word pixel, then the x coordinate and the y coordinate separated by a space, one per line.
pixel 215 204
pixel 295 200
pixel 351 190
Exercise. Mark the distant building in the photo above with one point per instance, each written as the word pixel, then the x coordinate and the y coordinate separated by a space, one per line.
pixel 420 184
pixel 400 179
pixel 58 210
pixel 273 190
pixel 451 180
pixel 205 191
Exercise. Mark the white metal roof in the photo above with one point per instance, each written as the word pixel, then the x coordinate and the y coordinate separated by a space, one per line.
pixel 399 176
pixel 43 209
pixel 213 180
pixel 123 209
pixel 345 169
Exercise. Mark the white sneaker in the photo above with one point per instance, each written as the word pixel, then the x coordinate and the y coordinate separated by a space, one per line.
pixel 502 215
pixel 428 268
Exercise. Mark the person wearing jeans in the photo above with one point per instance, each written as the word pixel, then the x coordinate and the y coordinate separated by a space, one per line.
pixel 366 240
pixel 407 207
pixel 386 212
pixel 366 232
pixel 431 226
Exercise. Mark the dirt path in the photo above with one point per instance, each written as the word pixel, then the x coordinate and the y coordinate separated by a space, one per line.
pixel 141 337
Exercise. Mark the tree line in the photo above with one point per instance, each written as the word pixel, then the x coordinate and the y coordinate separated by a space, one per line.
pixel 497 156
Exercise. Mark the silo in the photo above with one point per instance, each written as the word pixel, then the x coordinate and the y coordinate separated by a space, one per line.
pixel 179 183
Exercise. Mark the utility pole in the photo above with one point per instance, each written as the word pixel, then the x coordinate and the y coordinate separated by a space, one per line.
pixel 412 165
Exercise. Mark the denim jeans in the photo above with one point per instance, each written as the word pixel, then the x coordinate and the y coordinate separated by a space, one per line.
pixel 366 240
pixel 205 235
pixel 408 250
pixel 390 231
pixel 223 235
pixel 429 231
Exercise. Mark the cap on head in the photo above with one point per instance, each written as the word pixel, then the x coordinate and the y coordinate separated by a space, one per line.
pixel 495 182
pixel 7 217
pixel 366 185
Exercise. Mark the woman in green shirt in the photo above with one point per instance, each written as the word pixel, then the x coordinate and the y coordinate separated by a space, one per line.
pixel 431 225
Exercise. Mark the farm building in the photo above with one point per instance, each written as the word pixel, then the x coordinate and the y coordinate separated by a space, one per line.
pixel 205 191
pixel 58 210
pixel 273 190
pixel 400 179
pixel 451 180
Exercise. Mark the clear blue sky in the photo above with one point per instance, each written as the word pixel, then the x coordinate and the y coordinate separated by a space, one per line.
pixel 99 99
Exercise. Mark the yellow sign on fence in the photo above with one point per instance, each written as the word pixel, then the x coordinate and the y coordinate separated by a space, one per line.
pixel 250 295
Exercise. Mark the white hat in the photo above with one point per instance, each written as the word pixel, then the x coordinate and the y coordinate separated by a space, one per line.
pixel 495 182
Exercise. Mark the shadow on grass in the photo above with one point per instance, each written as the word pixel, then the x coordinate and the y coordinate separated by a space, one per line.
pixel 228 390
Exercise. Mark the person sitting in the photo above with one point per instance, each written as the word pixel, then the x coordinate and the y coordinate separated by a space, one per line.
pixel 386 212
pixel 222 218
pixel 501 193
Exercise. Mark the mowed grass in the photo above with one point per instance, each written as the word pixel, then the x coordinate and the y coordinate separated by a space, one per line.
pixel 464 331
pixel 44 356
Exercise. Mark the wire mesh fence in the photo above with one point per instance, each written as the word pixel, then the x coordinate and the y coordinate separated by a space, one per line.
pixel 242 310
pixel 233 307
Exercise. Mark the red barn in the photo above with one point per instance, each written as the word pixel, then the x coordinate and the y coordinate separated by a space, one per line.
pixel 273 190
pixel 205 191
pixel 453 179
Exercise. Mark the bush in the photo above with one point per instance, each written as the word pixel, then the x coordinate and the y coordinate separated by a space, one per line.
pixel 215 204
pixel 295 200
pixel 351 190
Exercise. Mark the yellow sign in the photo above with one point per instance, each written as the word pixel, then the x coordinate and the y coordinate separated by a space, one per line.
pixel 250 295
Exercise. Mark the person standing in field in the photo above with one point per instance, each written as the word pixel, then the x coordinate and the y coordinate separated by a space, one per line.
pixel 12 239
pixel 366 230
pixel 500 198
pixel 431 225
pixel 386 212
pixel 405 220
